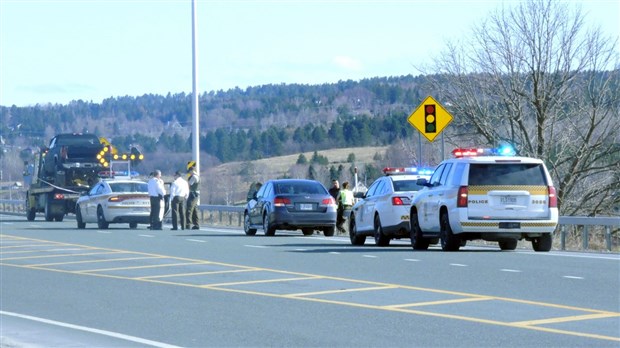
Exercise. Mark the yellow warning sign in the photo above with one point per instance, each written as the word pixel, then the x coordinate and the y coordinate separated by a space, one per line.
pixel 430 118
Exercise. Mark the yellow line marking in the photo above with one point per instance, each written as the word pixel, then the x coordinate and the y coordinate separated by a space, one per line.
pixel 259 281
pixel 216 287
pixel 195 273
pixel 91 261
pixel 442 302
pixel 565 319
pixel 22 246
pixel 142 267
pixel 325 292
pixel 60 255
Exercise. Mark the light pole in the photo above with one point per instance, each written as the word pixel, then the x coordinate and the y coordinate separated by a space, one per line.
pixel 195 106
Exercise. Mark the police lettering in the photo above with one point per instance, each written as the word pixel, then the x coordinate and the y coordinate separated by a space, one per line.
pixel 478 201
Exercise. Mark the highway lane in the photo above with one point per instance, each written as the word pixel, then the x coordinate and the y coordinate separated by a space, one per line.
pixel 218 287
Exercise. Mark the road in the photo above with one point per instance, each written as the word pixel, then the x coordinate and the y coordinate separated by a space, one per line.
pixel 61 286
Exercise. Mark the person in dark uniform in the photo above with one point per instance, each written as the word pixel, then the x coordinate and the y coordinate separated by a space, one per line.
pixel 193 199
pixel 156 195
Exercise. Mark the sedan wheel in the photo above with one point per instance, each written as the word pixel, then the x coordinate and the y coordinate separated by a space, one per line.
pixel 101 223
pixel 380 238
pixel 356 239
pixel 329 231
pixel 269 230
pixel 246 226
pixel 307 231
pixel 78 217
pixel 417 241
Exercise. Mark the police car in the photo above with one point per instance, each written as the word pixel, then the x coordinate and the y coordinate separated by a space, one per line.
pixel 487 194
pixel 383 211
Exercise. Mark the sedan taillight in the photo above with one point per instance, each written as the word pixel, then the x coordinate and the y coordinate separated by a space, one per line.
pixel 401 201
pixel 328 201
pixel 281 201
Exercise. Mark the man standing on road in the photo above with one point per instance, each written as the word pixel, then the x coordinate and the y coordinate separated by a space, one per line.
pixel 156 195
pixel 179 190
pixel 193 199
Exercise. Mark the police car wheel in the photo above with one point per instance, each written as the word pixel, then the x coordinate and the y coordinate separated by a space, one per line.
pixel 380 238
pixel 543 243
pixel 417 241
pixel 449 242
pixel 356 239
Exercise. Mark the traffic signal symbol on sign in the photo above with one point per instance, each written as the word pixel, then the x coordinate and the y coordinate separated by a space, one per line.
pixel 430 118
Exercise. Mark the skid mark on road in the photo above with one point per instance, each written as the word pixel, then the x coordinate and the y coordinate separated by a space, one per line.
pixel 218 276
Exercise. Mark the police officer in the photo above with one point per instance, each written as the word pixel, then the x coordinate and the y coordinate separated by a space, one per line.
pixel 156 195
pixel 179 191
pixel 192 201
pixel 345 202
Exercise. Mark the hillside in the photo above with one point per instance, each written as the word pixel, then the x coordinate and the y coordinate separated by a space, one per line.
pixel 228 183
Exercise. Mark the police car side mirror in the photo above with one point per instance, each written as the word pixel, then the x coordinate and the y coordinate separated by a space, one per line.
pixel 422 182
pixel 359 194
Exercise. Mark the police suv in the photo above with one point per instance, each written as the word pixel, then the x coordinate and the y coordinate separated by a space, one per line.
pixel 487 194
pixel 383 211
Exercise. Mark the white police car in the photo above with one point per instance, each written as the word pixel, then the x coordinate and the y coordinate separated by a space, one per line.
pixel 485 194
pixel 383 211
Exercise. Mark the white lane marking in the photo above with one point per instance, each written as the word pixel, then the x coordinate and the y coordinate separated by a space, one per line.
pixel 104 232
pixel 571 254
pixel 146 235
pixel 369 256
pixel 92 330
pixel 196 240
pixel 572 277
pixel 334 252
pixel 458 265
pixel 412 260
pixel 256 246
pixel 510 270
pixel 300 249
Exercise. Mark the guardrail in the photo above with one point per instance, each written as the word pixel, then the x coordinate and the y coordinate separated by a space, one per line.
pixel 570 227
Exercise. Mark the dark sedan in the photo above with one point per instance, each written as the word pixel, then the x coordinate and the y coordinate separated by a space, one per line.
pixel 291 204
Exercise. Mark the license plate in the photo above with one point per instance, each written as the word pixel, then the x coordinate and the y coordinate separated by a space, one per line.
pixel 305 206
pixel 511 225
pixel 508 199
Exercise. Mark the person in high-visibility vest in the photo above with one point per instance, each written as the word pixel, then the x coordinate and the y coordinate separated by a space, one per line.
pixel 345 202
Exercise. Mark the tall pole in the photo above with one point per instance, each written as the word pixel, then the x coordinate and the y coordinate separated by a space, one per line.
pixel 195 108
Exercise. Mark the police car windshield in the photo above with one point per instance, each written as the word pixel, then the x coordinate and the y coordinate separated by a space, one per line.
pixel 506 174
pixel 406 185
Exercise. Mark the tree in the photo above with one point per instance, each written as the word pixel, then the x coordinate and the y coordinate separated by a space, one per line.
pixel 535 76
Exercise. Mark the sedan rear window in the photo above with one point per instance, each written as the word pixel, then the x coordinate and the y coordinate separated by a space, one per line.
pixel 299 188
pixel 506 174
pixel 406 185
pixel 129 187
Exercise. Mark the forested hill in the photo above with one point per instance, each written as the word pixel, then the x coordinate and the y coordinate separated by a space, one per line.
pixel 236 124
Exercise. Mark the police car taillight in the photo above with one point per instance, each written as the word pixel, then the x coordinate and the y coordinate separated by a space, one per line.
pixel 461 197
pixel 553 198
pixel 401 201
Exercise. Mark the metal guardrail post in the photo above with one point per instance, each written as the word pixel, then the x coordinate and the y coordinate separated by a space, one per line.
pixel 563 237
pixel 585 237
pixel 608 237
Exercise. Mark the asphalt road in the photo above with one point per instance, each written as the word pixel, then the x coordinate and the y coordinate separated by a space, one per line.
pixel 61 286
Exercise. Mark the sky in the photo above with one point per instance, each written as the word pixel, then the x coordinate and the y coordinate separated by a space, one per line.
pixel 56 51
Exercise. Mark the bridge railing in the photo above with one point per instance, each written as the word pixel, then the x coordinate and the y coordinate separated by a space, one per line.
pixel 591 233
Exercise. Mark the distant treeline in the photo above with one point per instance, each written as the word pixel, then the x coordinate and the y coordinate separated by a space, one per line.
pixel 258 122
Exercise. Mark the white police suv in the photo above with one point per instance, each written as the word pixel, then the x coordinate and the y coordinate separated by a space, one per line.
pixel 383 211
pixel 487 194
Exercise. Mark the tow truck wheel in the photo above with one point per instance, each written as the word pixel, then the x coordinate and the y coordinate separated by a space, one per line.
pixel 101 223
pixel 48 210
pixel 31 212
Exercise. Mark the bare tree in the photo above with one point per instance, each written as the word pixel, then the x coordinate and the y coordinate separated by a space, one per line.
pixel 535 76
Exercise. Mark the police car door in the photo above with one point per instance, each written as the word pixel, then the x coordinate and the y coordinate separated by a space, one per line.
pixel 430 202
pixel 368 207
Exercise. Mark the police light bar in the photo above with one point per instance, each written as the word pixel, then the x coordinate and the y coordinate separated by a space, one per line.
pixel 471 152
pixel 406 170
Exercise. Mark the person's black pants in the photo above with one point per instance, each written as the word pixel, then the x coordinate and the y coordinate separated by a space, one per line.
pixel 155 210
pixel 178 218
